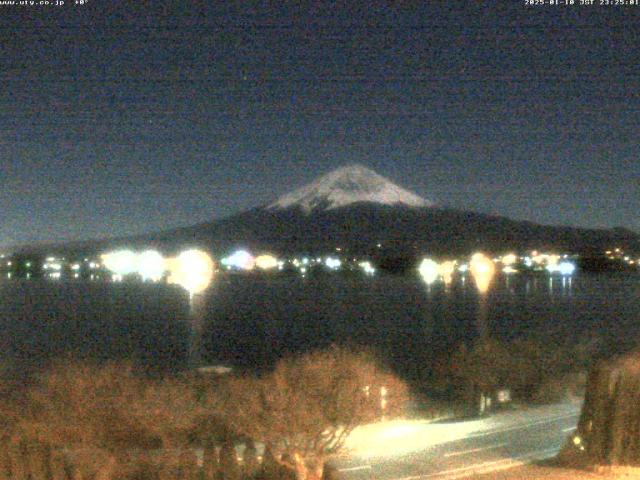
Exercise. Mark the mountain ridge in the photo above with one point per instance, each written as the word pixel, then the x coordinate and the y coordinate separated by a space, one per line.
pixel 358 218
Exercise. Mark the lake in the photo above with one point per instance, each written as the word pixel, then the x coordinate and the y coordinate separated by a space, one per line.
pixel 249 321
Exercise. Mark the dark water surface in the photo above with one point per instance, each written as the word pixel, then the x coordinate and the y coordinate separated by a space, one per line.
pixel 250 321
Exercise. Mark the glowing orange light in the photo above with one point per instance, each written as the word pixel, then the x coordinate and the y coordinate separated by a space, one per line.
pixel 266 262
pixel 483 270
pixel 446 270
pixel 509 259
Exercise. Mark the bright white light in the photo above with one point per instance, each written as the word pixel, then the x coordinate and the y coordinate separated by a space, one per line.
pixel 463 268
pixel 367 267
pixel 240 259
pixel 75 267
pixel 122 262
pixel 192 270
pixel 151 265
pixel 429 271
pixel 333 263
pixel 509 269
pixel 266 262
pixel 553 268
pixel 566 268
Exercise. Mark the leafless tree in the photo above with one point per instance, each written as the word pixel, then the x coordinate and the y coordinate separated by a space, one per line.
pixel 305 409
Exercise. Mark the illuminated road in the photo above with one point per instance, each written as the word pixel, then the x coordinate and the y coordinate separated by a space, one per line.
pixel 414 450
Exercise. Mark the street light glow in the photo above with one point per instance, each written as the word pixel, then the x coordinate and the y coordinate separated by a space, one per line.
pixel 240 259
pixel 192 270
pixel 429 270
pixel 446 270
pixel 566 268
pixel 151 265
pixel 483 269
pixel 121 262
pixel 266 262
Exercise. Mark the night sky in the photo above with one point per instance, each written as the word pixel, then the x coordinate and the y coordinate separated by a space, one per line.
pixel 117 120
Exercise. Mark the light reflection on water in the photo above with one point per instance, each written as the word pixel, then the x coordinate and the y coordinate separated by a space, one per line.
pixel 249 321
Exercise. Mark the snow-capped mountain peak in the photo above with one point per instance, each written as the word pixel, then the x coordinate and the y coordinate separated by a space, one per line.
pixel 347 185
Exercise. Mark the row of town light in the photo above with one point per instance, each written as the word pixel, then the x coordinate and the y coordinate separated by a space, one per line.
pixel 483 268
pixel 245 261
pixel 192 269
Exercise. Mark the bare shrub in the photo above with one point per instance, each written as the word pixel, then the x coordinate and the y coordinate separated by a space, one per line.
pixel 305 409
pixel 106 419
pixel 83 421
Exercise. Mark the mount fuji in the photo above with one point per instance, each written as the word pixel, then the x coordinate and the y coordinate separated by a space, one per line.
pixel 355 209
pixel 347 186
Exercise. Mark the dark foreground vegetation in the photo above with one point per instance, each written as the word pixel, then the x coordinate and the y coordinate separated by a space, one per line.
pixel 609 427
pixel 84 421
pixel 535 372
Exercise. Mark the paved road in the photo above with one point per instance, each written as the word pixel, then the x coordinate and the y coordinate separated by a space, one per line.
pixel 455 450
